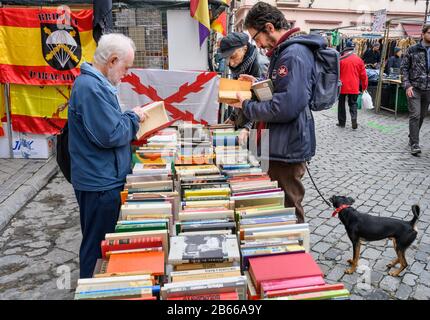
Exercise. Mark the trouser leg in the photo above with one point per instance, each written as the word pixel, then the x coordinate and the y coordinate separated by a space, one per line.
pixel 341 113
pixel 289 177
pixel 99 213
pixel 414 106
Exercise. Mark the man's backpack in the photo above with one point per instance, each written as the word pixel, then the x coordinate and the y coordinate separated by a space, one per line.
pixel 326 88
pixel 63 155
pixel 327 79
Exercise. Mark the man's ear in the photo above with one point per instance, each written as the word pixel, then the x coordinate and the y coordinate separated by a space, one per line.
pixel 269 27
pixel 113 60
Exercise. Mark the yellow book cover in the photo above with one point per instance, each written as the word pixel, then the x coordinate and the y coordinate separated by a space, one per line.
pixel 228 89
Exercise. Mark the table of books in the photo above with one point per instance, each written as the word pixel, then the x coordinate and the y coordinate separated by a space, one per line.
pixel 200 220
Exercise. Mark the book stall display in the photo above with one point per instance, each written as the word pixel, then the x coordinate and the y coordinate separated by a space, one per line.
pixel 200 220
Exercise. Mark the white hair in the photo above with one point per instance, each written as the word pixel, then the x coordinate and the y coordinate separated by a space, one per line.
pixel 113 43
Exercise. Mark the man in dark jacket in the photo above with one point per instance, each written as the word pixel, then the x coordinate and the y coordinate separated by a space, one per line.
pixel 372 56
pixel 99 143
pixel 242 58
pixel 415 70
pixel 287 116
pixel 352 72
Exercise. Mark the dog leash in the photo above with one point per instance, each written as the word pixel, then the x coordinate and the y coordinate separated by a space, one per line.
pixel 313 182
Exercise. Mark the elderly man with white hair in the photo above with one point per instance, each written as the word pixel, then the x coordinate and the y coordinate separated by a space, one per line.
pixel 99 143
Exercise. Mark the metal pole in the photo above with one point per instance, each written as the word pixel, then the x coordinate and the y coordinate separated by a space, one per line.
pixel 381 68
pixel 427 10
pixel 9 122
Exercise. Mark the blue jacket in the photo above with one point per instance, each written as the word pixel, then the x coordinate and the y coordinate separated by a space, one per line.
pixel 287 115
pixel 99 133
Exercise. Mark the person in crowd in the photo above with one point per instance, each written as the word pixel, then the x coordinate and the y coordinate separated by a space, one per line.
pixel 372 57
pixel 352 72
pixel 394 61
pixel 242 58
pixel 415 71
pixel 287 116
pixel 99 143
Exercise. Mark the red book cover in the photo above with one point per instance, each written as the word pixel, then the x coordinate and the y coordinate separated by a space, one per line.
pixel 292 283
pixel 139 262
pixel 294 291
pixel 117 245
pixel 285 266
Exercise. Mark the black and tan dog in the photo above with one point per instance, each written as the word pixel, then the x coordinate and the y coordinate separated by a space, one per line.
pixel 360 226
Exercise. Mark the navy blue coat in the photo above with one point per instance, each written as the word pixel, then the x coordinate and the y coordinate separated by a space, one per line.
pixel 99 133
pixel 287 115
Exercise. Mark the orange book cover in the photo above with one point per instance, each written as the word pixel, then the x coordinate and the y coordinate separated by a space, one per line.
pixel 144 262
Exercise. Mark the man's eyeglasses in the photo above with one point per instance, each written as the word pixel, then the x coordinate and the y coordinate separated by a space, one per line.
pixel 261 30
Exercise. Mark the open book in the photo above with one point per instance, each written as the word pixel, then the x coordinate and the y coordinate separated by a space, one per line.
pixel 156 119
pixel 263 90
pixel 228 88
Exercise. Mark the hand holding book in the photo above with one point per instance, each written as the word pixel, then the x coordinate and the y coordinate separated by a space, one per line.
pixel 140 112
pixel 247 77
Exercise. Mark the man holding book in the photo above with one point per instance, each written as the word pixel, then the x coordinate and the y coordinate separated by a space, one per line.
pixel 99 143
pixel 287 115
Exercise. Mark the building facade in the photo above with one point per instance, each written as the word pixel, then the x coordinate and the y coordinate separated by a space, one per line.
pixel 353 16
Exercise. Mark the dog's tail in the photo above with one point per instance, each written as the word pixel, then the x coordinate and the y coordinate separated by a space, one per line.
pixel 416 212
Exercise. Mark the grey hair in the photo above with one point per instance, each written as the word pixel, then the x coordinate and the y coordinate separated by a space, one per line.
pixel 113 43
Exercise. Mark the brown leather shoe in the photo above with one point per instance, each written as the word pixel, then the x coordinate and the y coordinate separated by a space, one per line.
pixel 354 124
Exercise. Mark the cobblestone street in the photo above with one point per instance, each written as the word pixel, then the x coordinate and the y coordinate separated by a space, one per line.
pixel 372 165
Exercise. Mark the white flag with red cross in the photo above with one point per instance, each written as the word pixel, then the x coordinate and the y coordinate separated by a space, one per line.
pixel 187 95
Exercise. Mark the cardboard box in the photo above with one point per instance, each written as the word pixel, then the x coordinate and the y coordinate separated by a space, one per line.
pixel 27 145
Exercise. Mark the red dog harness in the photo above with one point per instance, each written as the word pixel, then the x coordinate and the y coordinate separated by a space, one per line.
pixel 338 210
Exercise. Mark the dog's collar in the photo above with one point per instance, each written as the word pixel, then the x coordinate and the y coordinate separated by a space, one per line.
pixel 338 210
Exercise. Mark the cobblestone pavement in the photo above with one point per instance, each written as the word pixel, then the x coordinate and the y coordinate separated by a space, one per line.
pixel 372 165
pixel 42 237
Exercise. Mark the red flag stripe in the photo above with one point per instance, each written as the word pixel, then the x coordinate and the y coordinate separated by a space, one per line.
pixel 36 125
pixel 32 18
pixel 36 75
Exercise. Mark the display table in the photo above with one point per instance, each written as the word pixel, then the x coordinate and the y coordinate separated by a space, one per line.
pixel 397 83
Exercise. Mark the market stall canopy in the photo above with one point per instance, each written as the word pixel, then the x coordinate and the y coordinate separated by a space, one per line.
pixel 412 30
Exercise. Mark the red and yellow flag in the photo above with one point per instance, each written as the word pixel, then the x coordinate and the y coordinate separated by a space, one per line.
pixel 44 46
pixel 220 24
pixel 31 105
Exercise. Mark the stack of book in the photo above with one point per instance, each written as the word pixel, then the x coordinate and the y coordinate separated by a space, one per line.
pixel 132 267
pixel 195 144
pixel 227 148
pixel 137 287
pixel 204 266
pixel 206 205
pixel 293 276
pixel 161 148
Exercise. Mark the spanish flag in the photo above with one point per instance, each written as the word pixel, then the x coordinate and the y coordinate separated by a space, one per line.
pixel 220 24
pixel 199 10
pixel 44 46
pixel 39 110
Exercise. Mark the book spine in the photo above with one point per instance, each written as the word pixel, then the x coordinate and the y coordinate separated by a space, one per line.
pixel 211 296
pixel 185 260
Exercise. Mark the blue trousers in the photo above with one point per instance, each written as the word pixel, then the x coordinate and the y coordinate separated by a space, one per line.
pixel 99 212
